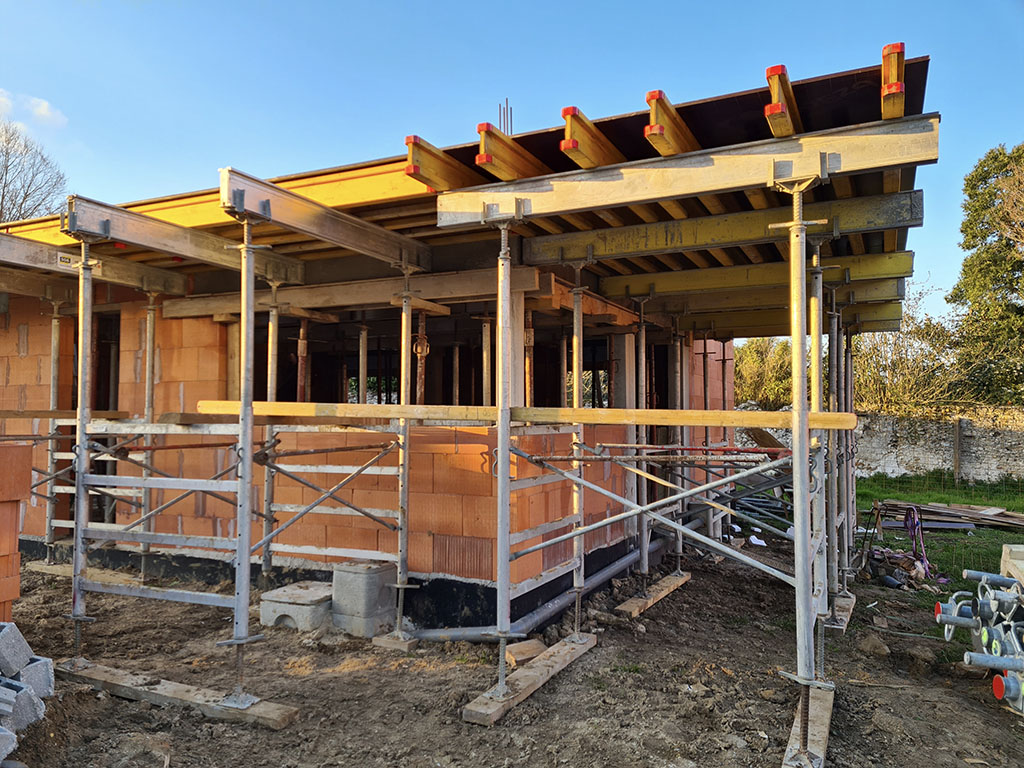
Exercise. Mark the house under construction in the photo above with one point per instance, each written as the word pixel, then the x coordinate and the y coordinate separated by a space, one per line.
pixel 505 364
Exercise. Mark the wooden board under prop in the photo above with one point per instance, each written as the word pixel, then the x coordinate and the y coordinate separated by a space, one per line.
pixel 486 710
pixel 166 692
pixel 819 724
pixel 844 610
pixel 637 605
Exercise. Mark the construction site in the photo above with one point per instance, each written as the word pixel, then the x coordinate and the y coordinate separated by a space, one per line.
pixel 434 460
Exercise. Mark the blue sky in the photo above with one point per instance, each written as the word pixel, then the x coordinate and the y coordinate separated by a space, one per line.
pixel 138 99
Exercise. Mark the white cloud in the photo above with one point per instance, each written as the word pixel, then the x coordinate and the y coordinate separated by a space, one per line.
pixel 6 103
pixel 45 113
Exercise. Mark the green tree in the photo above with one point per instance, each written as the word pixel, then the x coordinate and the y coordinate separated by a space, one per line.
pixel 764 374
pixel 988 291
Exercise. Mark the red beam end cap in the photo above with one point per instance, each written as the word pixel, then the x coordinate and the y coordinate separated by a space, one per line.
pixel 570 111
pixel 892 48
pixel 568 144
pixel 773 110
pixel 484 159
pixel 654 130
pixel 893 88
pixel 776 71
pixel 413 139
pixel 654 96
pixel 482 127
pixel 412 170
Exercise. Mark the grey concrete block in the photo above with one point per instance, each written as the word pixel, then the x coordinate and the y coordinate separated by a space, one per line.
pixel 8 743
pixel 363 626
pixel 7 697
pixel 305 606
pixel 14 651
pixel 38 675
pixel 28 708
pixel 364 589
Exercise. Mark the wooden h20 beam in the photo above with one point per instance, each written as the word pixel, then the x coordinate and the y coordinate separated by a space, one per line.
pixel 27 253
pixel 482 413
pixel 861 214
pixel 871 266
pixel 782 114
pixel 92 220
pixel 245 195
pixel 744 297
pixel 21 282
pixel 853 149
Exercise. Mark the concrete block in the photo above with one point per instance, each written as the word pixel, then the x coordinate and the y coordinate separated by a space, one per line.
pixel 364 589
pixel 7 697
pixel 305 606
pixel 363 626
pixel 28 708
pixel 8 743
pixel 14 651
pixel 38 675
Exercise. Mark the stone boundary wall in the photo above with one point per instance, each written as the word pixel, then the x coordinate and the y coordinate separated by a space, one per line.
pixel 900 445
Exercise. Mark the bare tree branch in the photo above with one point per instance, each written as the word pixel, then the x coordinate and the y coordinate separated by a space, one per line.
pixel 31 183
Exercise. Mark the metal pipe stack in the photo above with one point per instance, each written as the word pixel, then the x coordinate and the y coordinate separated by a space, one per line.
pixel 994 616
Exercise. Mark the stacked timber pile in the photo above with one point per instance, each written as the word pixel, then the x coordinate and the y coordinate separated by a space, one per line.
pixel 25 680
pixel 960 515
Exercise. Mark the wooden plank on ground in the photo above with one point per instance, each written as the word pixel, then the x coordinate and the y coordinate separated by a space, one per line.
pixel 819 726
pixel 63 570
pixel 637 605
pixel 518 654
pixel 1012 561
pixel 165 692
pixel 486 710
pixel 844 610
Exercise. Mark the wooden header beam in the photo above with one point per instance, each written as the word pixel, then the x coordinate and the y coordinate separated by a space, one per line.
pixel 34 255
pixel 25 283
pixel 744 297
pixel 434 286
pixel 860 214
pixel 90 219
pixel 870 266
pixel 762 331
pixel 848 150
pixel 779 318
pixel 245 195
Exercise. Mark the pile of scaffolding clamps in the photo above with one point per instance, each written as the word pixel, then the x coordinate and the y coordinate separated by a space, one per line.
pixel 995 618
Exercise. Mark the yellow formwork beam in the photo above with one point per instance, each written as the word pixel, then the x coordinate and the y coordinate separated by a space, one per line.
pixel 782 114
pixel 436 168
pixel 382 183
pixel 467 413
pixel 876 146
pixel 859 214
pixel 774 297
pixel 869 266
pixel 666 130
pixel 779 318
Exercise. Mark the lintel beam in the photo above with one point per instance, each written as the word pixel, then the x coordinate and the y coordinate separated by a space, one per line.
pixel 469 285
pixel 22 282
pixel 21 252
pixel 837 269
pixel 837 151
pixel 861 214
pixel 91 219
pixel 242 194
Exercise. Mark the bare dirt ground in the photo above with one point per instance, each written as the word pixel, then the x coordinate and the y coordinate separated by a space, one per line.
pixel 693 682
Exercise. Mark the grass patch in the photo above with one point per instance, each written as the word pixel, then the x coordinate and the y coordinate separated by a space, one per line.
pixel 949 552
pixel 939 486
pixel 633 669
